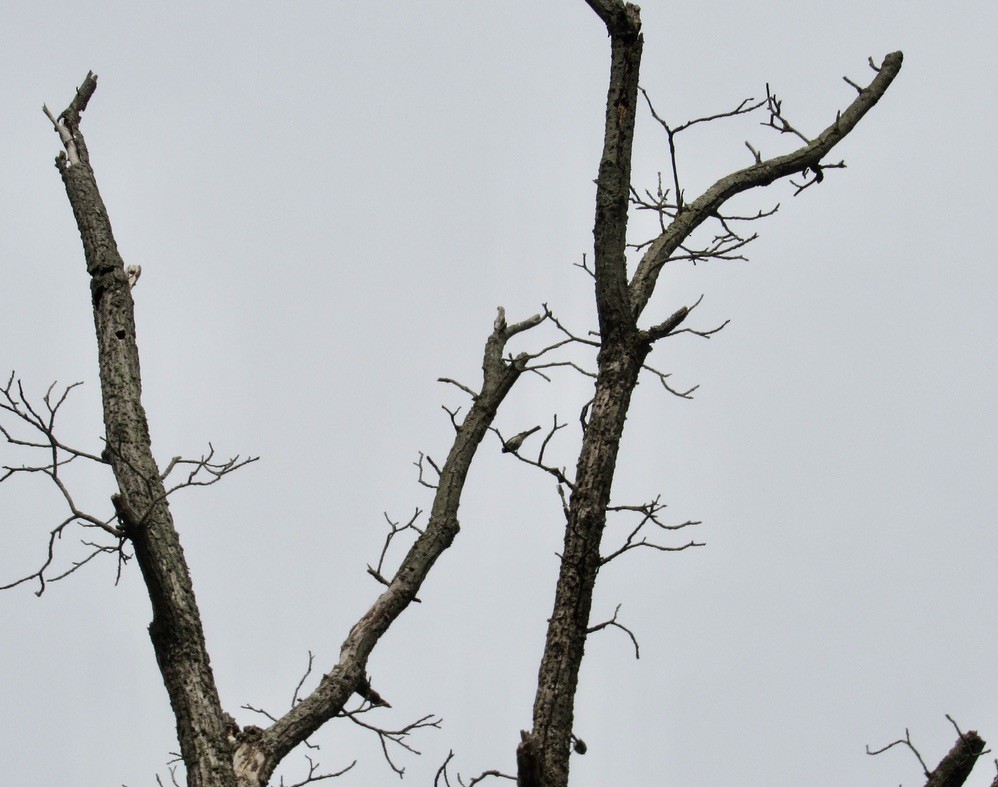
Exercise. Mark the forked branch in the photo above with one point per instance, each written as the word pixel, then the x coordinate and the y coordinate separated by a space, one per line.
pixel 347 676
pixel 761 173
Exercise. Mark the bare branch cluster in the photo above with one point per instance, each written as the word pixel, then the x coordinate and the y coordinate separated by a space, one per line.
pixel 442 777
pixel 254 732
pixel 395 529
pixel 214 748
pixel 204 471
pixel 57 455
pixel 391 737
pixel 648 517
pixel 679 218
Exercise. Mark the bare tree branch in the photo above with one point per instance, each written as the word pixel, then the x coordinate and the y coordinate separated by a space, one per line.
pixel 443 774
pixel 317 777
pixel 762 173
pixel 394 530
pixel 615 623
pixel 176 629
pixel 386 736
pixel 348 674
pixel 954 769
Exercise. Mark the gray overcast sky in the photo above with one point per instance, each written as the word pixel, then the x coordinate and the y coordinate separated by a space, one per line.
pixel 329 200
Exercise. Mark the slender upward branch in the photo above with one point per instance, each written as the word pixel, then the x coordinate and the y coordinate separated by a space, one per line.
pixel 614 181
pixel 761 173
pixel 543 753
pixel 348 675
pixel 140 504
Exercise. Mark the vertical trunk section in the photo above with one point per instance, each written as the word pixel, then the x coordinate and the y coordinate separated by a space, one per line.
pixel 542 757
pixel 176 633
pixel 567 629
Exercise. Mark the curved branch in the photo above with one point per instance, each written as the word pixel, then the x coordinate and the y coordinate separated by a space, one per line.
pixel 761 173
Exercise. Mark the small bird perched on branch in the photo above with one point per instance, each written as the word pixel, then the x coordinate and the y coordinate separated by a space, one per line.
pixel 133 272
pixel 513 444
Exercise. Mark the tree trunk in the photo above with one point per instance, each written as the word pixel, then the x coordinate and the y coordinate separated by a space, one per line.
pixel 622 352
pixel 141 506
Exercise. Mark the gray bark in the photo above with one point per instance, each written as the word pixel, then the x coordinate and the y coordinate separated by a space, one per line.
pixel 543 754
pixel 954 769
pixel 215 753
pixel 141 505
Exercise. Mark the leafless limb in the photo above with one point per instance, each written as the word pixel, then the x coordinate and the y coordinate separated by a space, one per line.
pixel 387 737
pixel 56 534
pixel 205 472
pixel 17 404
pixel 308 671
pixel 776 118
pixel 955 767
pixel 465 388
pixel 347 676
pixel 722 247
pixel 649 515
pixel 173 777
pixel 313 766
pixel 442 771
pixel 670 327
pixel 570 338
pixel 614 622
pixel 585 266
pixel 261 711
pixel 394 529
pixel 371 696
pixel 664 379
pixel 452 414
pixel 556 364
pixel 744 108
pixel 761 173
pixel 419 465
pixel 658 203
pixel 317 777
pixel 442 774
pixel 570 335
pixel 555 426
pixel 905 741
pixel 98 549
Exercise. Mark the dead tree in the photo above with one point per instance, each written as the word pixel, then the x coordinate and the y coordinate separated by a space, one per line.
pixel 216 751
pixel 624 347
pixel 954 768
